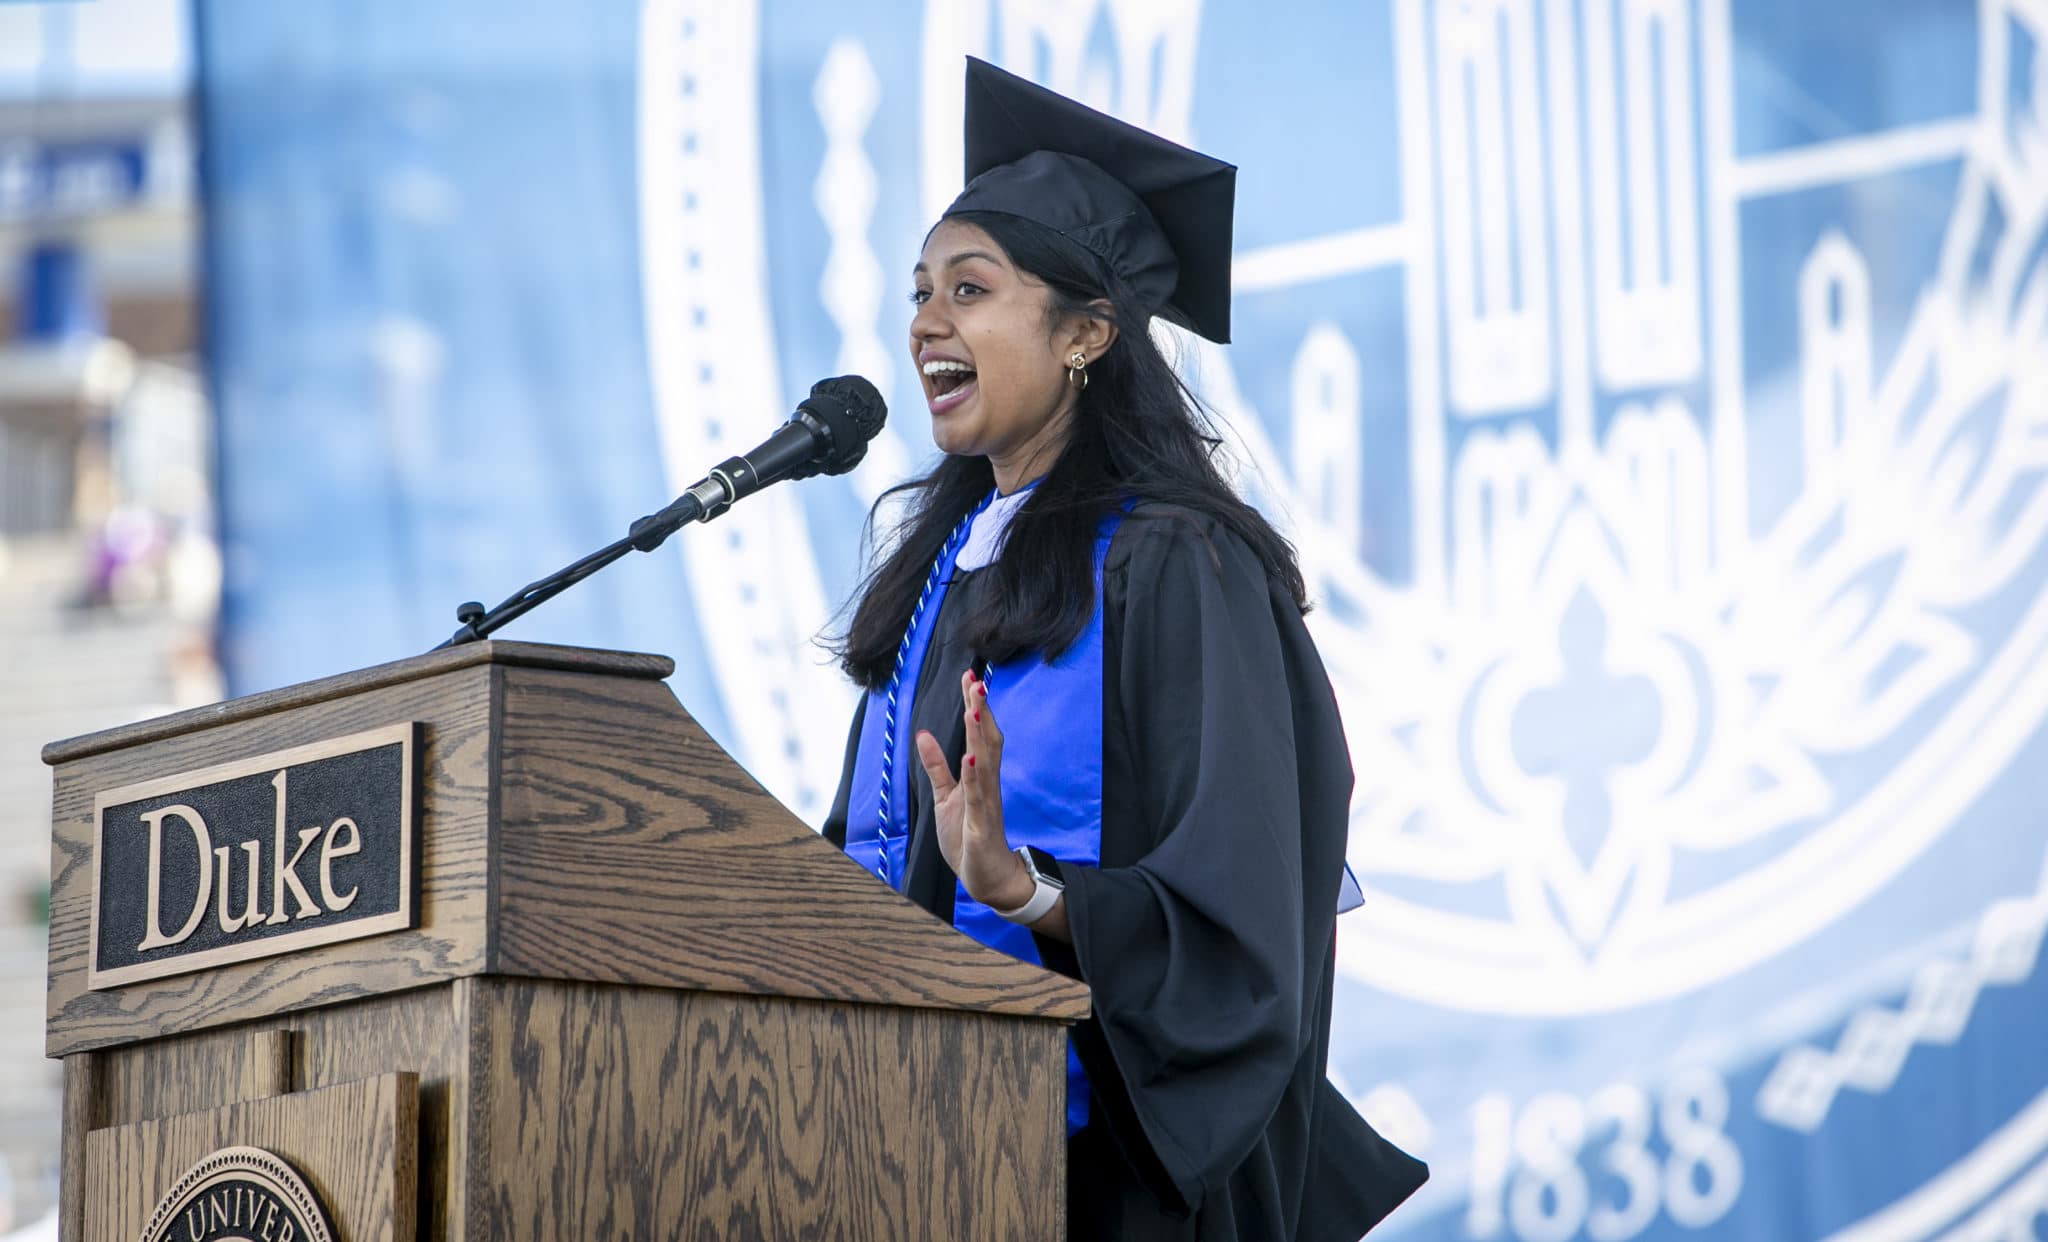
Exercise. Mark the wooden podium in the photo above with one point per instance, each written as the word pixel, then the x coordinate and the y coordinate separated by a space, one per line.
pixel 636 998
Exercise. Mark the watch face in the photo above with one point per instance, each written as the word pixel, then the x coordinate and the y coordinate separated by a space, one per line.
pixel 1049 876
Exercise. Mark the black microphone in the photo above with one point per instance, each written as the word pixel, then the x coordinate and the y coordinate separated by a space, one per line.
pixel 828 434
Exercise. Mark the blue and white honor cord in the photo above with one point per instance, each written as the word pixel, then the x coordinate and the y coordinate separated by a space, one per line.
pixel 931 582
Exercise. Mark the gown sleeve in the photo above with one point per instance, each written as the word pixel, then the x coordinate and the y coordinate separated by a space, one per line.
pixel 834 827
pixel 1194 934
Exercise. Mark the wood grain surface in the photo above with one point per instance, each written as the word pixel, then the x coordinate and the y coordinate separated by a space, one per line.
pixel 631 849
pixel 147 1082
pixel 642 992
pixel 455 707
pixel 617 1112
pixel 81 1116
pixel 358 681
pixel 574 825
pixel 553 1110
pixel 424 1032
pixel 354 1144
pixel 190 1075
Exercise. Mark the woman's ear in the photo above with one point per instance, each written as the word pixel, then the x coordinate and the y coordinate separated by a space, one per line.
pixel 1094 334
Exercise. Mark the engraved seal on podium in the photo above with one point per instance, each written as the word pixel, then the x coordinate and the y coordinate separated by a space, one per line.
pixel 238 1194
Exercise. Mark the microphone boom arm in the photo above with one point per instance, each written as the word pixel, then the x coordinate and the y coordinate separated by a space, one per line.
pixel 828 433
pixel 646 535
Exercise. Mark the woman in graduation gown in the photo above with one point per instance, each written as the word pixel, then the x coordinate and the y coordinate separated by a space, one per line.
pixel 1096 734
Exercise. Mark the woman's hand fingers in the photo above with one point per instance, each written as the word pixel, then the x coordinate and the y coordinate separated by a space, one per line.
pixel 984 846
pixel 977 783
pixel 984 739
pixel 935 766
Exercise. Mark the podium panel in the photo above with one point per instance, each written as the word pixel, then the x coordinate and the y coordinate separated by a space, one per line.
pixel 352 1146
pixel 726 1116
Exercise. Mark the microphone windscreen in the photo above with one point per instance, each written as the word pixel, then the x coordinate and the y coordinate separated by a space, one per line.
pixel 853 411
pixel 862 402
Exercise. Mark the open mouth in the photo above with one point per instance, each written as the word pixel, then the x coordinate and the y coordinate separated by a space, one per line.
pixel 947 383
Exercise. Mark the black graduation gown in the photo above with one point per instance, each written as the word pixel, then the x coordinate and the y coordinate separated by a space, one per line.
pixel 1206 935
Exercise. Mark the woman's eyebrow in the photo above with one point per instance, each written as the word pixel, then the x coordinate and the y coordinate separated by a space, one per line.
pixel 954 260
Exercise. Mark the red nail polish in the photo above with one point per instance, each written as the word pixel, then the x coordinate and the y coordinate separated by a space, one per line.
pixel 970 761
pixel 977 717
pixel 984 689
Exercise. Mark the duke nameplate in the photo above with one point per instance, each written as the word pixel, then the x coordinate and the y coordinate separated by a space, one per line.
pixel 264 855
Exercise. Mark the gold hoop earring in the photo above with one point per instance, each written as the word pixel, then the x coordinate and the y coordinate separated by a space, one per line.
pixel 1077 371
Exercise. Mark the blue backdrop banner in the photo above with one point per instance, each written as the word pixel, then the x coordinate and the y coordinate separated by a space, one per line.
pixel 1656 389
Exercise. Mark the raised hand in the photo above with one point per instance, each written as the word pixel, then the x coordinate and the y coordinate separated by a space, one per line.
pixel 969 809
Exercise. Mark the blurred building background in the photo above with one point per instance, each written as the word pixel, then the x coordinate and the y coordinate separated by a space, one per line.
pixel 109 577
pixel 1657 391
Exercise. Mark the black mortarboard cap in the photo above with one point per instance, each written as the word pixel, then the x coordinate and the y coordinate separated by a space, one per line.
pixel 1156 213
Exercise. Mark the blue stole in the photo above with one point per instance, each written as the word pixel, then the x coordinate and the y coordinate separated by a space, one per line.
pixel 1051 716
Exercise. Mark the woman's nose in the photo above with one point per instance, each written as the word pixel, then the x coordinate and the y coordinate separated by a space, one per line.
pixel 928 323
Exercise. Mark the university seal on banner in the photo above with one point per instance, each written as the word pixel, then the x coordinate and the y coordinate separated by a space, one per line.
pixel 239 1194
pixel 1672 484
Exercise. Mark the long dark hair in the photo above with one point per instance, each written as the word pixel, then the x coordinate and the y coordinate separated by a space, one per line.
pixel 1137 432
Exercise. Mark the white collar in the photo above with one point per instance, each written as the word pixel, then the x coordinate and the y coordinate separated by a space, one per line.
pixel 985 538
